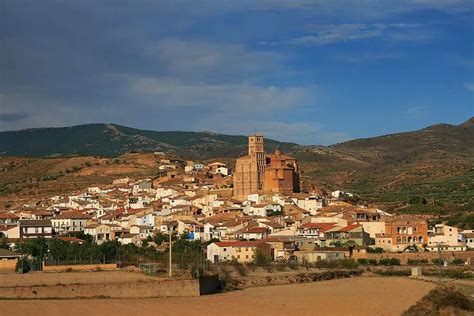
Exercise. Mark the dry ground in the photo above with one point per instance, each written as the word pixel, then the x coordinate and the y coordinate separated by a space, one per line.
pixel 356 296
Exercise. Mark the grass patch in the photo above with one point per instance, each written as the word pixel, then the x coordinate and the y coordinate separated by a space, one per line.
pixel 443 300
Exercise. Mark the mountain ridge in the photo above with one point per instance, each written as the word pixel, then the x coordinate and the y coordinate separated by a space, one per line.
pixel 436 162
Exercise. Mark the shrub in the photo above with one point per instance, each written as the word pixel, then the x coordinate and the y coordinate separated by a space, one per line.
pixel 293 264
pixel 394 262
pixel 441 298
pixel 438 262
pixel 261 258
pixel 458 261
pixel 363 261
pixel 23 265
pixel 239 268
pixel 372 262
pixel 337 264
pixel 389 262
pixel 375 250
pixel 417 262
pixel 393 272
pixel 348 264
pixel 281 265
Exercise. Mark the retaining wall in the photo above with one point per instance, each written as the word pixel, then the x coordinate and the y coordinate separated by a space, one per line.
pixel 141 289
pixel 403 257
pixel 8 265
pixel 80 267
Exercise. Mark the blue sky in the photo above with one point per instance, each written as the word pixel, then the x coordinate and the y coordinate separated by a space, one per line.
pixel 308 71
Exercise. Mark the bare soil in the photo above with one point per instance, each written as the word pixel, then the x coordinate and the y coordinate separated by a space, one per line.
pixel 355 296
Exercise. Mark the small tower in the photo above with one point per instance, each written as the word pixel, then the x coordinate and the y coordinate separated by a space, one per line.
pixel 256 145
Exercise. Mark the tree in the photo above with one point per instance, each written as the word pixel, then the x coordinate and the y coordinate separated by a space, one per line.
pixel 23 265
pixel 159 238
pixel 336 243
pixel 4 243
pixel 306 263
pixel 263 260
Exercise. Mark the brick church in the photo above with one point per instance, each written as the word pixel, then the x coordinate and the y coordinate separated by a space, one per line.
pixel 261 173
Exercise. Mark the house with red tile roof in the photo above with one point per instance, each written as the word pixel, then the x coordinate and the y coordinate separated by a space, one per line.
pixel 314 230
pixel 353 233
pixel 9 219
pixel 253 233
pixel 242 251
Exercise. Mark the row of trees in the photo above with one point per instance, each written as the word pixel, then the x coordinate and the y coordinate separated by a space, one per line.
pixel 53 251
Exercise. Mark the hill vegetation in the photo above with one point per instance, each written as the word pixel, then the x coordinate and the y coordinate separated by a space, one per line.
pixel 110 140
pixel 434 165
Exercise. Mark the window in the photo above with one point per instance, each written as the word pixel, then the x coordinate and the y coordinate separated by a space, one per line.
pixel 225 249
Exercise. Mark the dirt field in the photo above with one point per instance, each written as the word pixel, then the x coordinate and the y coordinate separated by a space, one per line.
pixel 355 296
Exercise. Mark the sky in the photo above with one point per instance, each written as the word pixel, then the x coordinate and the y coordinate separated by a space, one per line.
pixel 306 71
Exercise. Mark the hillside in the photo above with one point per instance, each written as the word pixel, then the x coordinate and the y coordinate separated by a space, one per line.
pixel 435 162
pixel 110 140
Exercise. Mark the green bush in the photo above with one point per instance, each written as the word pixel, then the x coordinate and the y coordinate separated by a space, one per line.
pixel 337 264
pixel 363 261
pixel 375 250
pixel 239 267
pixel 458 261
pixel 438 262
pixel 389 262
pixel 441 298
pixel 393 272
pixel 23 265
pixel 417 262
pixel 281 265
pixel 372 262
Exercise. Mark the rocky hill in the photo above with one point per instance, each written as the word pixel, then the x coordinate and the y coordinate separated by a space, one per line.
pixel 110 140
pixel 436 162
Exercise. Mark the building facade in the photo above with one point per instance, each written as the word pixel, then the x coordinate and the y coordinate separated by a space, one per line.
pixel 281 174
pixel 258 172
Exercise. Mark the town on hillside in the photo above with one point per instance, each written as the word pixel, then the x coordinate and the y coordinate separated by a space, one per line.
pixel 257 208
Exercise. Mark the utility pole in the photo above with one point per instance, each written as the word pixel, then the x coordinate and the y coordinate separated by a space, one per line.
pixel 170 272
pixel 440 262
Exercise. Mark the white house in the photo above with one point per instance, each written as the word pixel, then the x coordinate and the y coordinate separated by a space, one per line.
pixel 69 222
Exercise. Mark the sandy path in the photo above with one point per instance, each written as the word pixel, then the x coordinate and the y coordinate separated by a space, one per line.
pixel 356 296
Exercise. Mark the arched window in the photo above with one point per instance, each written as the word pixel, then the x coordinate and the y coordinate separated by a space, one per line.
pixel 399 240
pixel 404 239
pixel 420 238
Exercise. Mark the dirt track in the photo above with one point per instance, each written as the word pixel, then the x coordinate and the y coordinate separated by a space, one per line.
pixel 356 296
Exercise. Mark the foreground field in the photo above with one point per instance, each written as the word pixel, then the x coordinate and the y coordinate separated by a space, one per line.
pixel 356 296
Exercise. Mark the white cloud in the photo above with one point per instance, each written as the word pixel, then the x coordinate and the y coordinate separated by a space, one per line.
pixel 240 97
pixel 304 133
pixel 335 33
pixel 469 86
pixel 366 57
pixel 33 110
pixel 191 60
pixel 417 112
